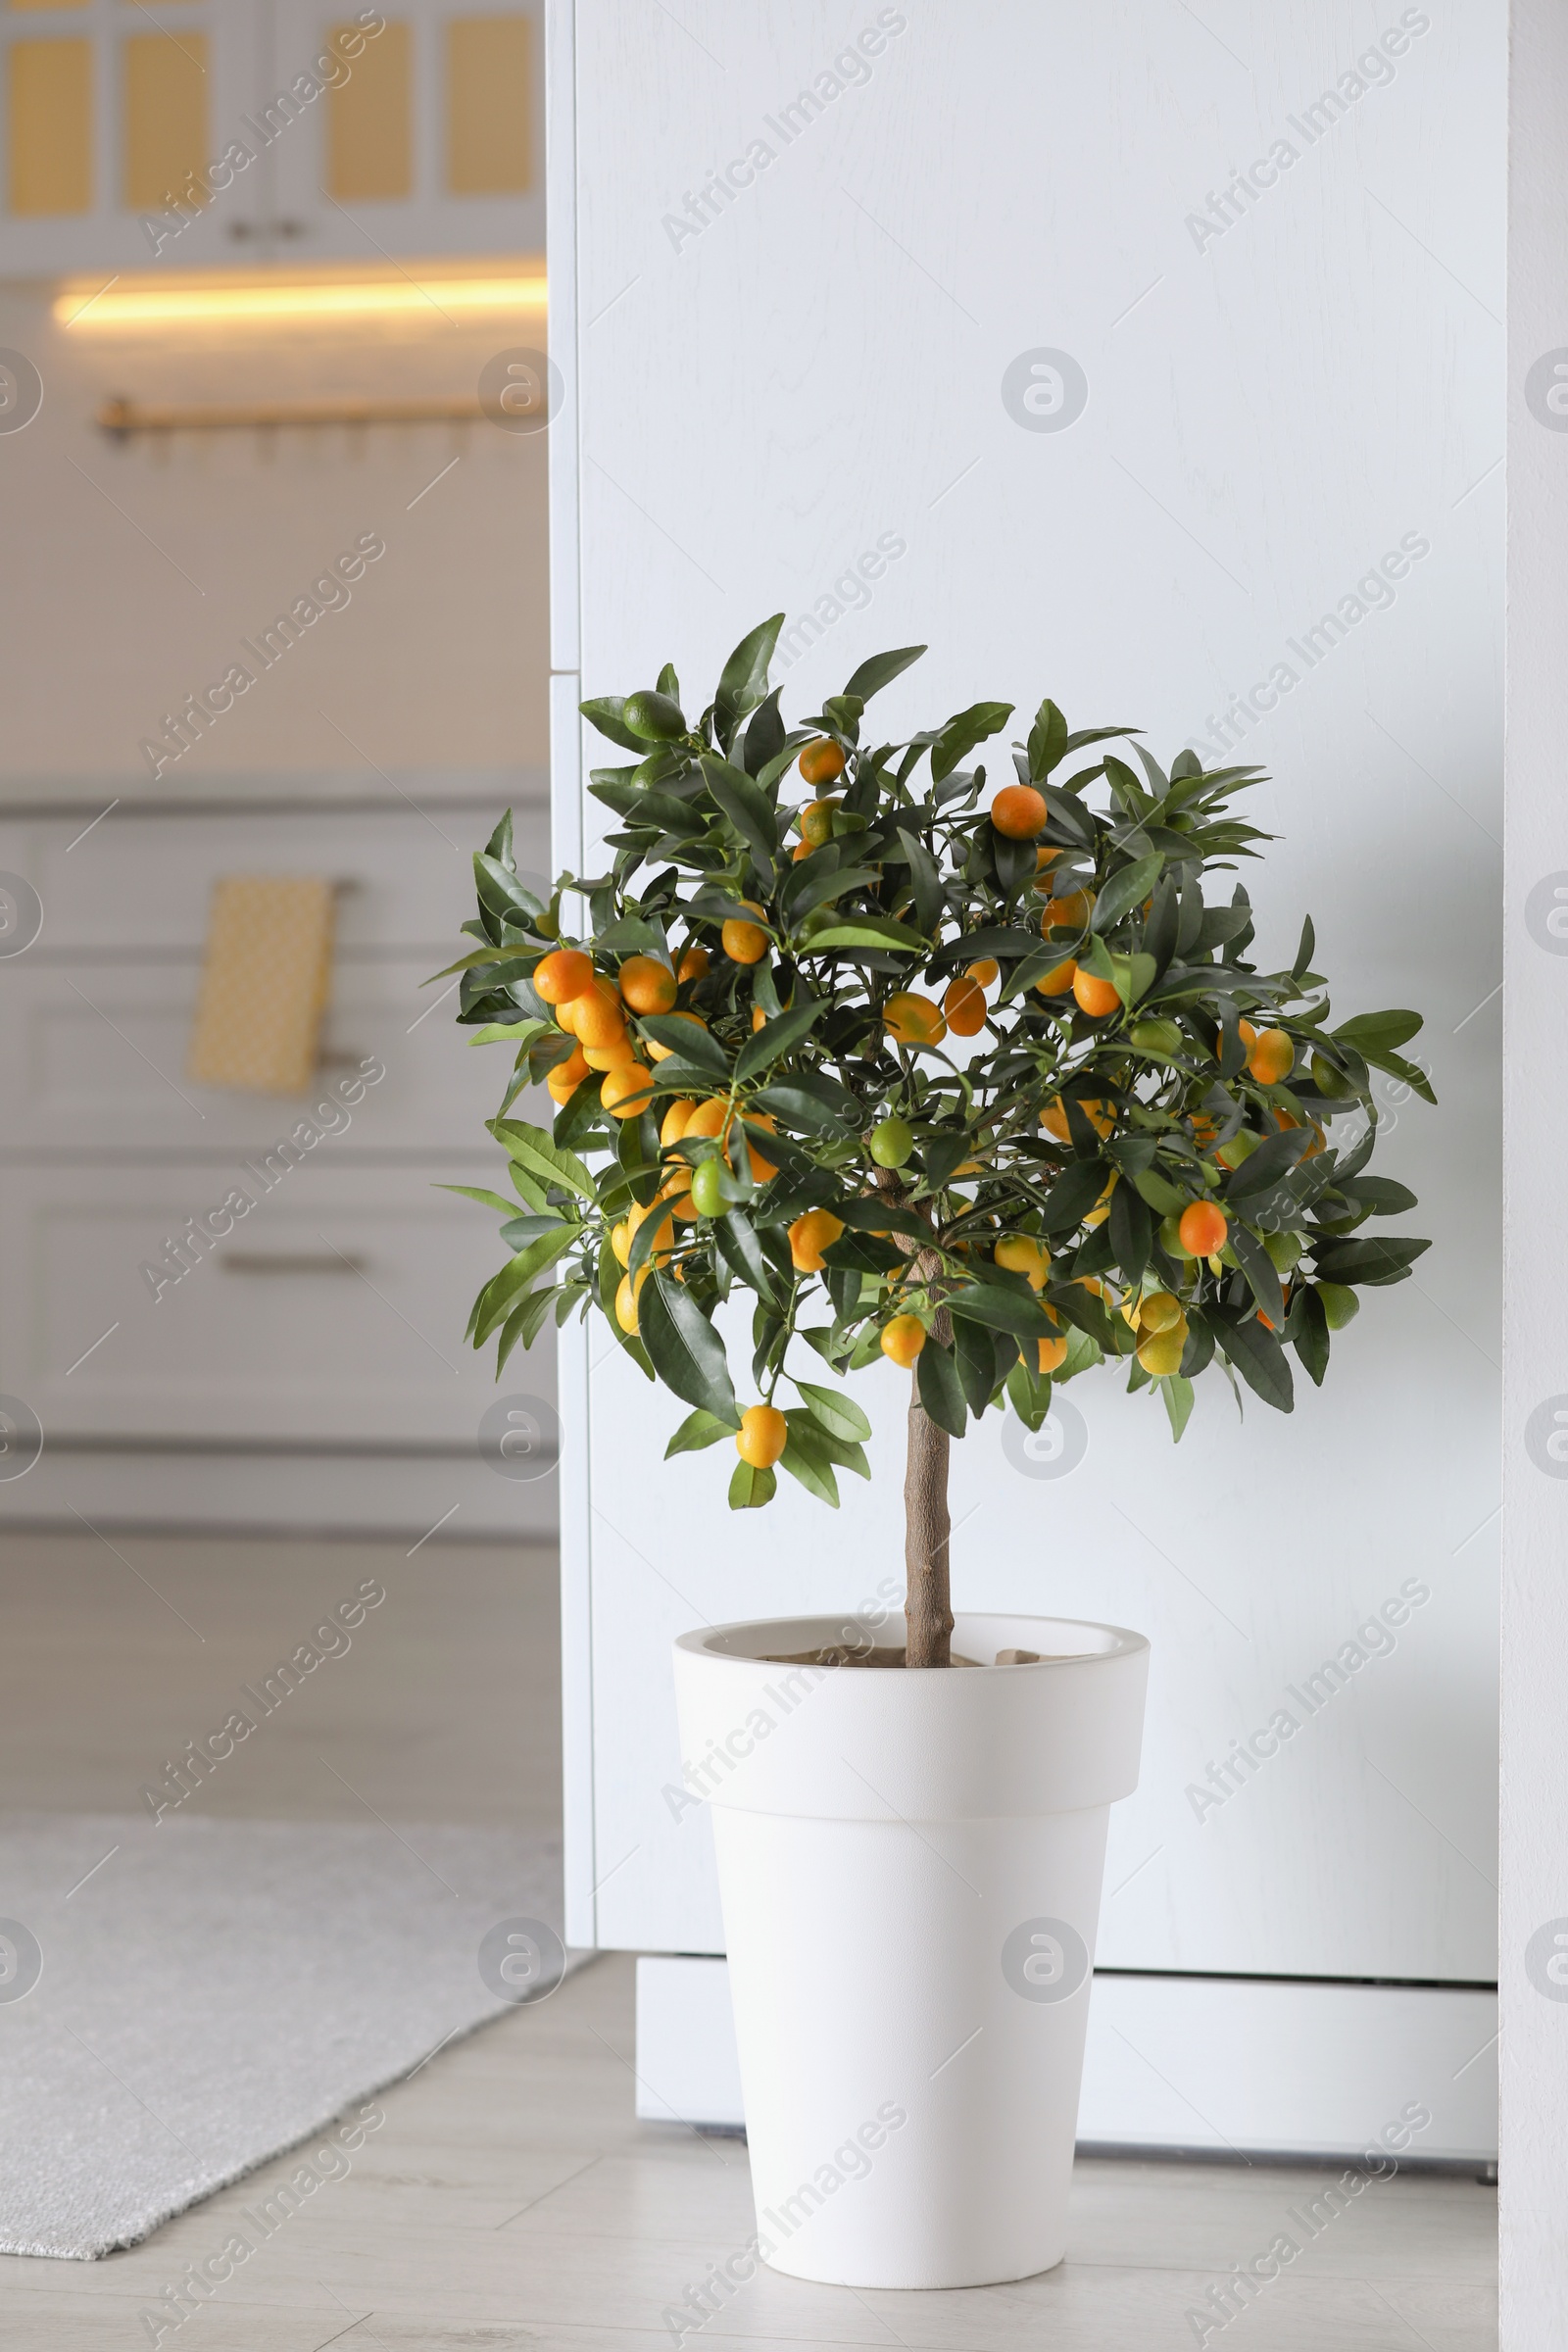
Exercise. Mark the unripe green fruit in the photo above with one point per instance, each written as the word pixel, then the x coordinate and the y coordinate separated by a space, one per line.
pixel 1326 1079
pixel 708 1188
pixel 1242 1144
pixel 1340 1304
pixel 1157 1036
pixel 1284 1250
pixel 1170 1239
pixel 892 1143
pixel 653 716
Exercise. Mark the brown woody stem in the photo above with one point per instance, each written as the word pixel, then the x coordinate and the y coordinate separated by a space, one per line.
pixel 927 1607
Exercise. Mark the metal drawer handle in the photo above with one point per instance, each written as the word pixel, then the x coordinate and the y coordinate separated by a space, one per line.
pixel 280 1261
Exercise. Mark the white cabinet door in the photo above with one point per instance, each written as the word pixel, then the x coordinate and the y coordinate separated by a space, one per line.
pixel 106 110
pixel 434 144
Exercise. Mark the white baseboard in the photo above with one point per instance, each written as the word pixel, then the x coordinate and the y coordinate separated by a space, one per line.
pixel 1207 2065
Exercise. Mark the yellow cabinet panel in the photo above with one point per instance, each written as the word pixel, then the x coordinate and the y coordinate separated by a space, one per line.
pixel 369 123
pixel 166 118
pixel 489 106
pixel 49 108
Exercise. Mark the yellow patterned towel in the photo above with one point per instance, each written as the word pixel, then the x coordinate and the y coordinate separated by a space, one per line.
pixel 264 981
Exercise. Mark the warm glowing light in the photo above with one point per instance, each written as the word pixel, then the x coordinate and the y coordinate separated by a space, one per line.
pixel 390 297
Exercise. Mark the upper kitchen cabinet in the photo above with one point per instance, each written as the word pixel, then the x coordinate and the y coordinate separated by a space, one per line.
pixel 228 131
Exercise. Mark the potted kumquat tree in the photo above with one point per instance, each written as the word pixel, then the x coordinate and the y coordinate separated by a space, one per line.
pixel 980 1081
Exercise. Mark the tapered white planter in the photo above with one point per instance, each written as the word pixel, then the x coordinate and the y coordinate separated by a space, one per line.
pixel 911 1867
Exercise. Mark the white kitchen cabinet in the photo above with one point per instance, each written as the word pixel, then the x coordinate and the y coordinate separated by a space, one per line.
pixel 225 132
pixel 824 347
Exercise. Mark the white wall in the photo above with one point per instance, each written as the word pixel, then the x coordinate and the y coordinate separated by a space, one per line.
pixel 823 364
pixel 1534 2050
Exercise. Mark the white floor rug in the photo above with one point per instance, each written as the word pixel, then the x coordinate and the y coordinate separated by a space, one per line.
pixel 180 2003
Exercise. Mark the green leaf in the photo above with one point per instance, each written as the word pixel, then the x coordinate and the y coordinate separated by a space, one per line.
pixel 1163 1198
pixel 1310 1333
pixel 1305 952
pixel 1004 1309
pixel 928 893
pixel 775 1039
pixel 1260 1360
pixel 535 1150
pixel 685 1349
pixel 1378 1193
pixel 603 712
pixel 521 1326
pixel 961 734
pixel 1124 891
pixel 811 1463
pixel 743 682
pixel 736 1238
pixel 975 1354
pixel 512 1033
pixel 745 804
pixel 697 1431
pixel 1178 1396
pixel 1261 1170
pixel 839 1415
pixel 861 1253
pixel 475 1191
pixel 1262 1276
pixel 861 931
pixel 881 670
pixel 805 1113
pixel 941 1390
pixel 500 1294
pixel 1048 741
pixel 1374 1033
pixel 1029 1396
pixel 698 1048
pixel 750 1488
pixel 1132 1230
pixel 1073 1194
pixel 1367 1261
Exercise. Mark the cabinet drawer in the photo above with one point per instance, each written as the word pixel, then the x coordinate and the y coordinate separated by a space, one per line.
pixel 93 1058
pixel 333 1311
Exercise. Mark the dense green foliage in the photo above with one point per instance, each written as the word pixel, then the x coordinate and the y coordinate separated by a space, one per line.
pixel 1159 1100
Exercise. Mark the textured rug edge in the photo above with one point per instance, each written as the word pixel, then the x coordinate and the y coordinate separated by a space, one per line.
pixel 158 2220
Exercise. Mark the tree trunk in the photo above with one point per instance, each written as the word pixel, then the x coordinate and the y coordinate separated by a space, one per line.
pixel 928 1614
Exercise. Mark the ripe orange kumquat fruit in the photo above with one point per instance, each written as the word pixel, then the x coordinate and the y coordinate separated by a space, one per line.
pixel 1271 1056
pixel 762 1436
pixel 986 973
pixel 1102 1208
pixel 965 1007
pixel 801 849
pixel 809 1236
pixel 1094 996
pixel 743 942
pixel 1018 811
pixel 597 1016
pixel 1051 1355
pixel 1021 1254
pixel 675 1118
pixel 567 1076
pixel 1066 915
pixel 1045 859
pixel 913 1020
pixel 816 822
pixel 647 984
pixel 1203 1228
pixel 611 1056
pixel 664 1232
pixel 627 1090
pixel 903 1339
pixel 627 1290
pixel 821 760
pixel 692 964
pixel 563 974
pixel 1056 983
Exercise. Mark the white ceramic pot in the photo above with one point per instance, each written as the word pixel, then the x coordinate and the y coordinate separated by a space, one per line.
pixel 911 1867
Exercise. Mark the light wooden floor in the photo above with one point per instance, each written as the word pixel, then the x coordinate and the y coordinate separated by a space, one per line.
pixel 510 2200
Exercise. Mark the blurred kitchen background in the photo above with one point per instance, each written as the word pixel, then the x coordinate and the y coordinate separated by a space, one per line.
pixel 276 271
